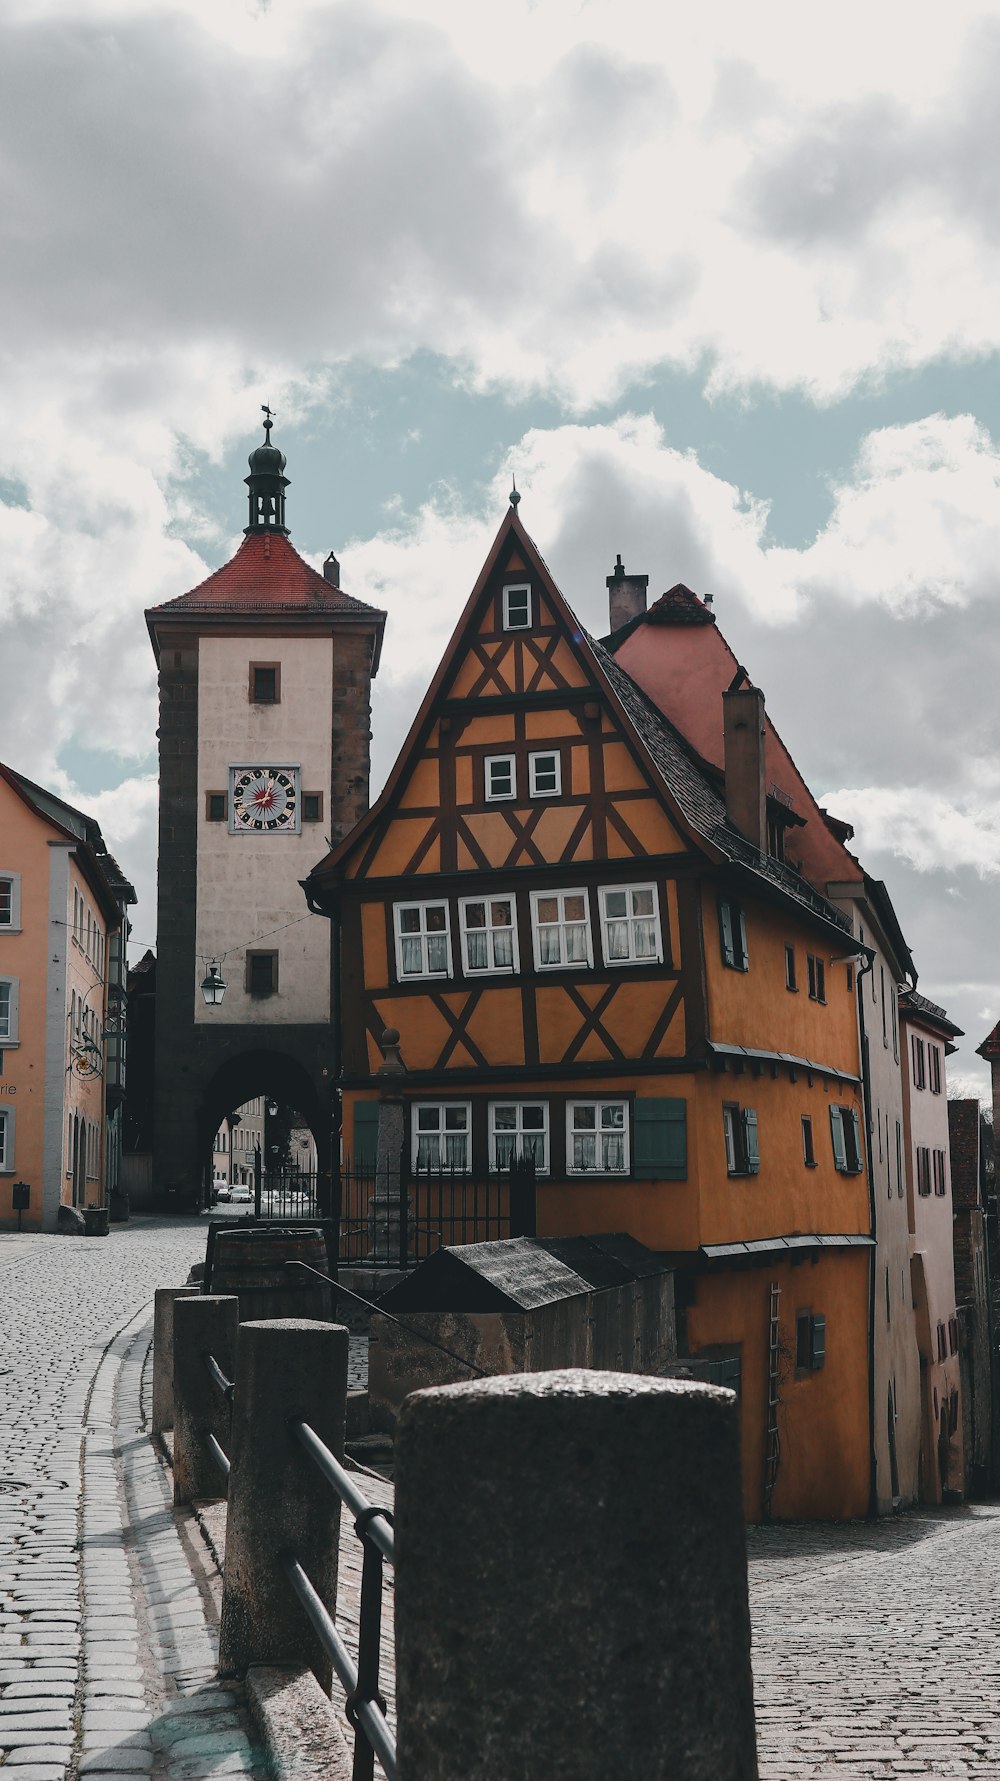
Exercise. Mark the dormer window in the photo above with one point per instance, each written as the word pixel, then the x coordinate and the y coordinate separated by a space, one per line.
pixel 517 607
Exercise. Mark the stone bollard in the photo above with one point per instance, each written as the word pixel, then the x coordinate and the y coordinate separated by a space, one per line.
pixel 163 1354
pixel 203 1324
pixel 287 1370
pixel 571 1582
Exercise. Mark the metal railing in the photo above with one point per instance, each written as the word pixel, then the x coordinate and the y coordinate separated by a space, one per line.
pixel 228 1389
pixel 365 1705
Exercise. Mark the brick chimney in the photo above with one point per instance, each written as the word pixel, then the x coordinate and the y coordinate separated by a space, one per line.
pixel 746 781
pixel 626 596
pixel 331 570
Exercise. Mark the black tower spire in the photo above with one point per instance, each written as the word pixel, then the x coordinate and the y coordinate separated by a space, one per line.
pixel 267 484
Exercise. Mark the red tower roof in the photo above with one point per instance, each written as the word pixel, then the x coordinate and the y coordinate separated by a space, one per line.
pixel 265 580
pixel 266 575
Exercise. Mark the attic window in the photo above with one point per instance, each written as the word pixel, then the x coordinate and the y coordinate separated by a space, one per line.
pixel 517 607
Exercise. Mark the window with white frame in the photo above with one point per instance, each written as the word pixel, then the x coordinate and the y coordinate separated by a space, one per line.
pixel 423 940
pixel 8 1010
pixel 597 1137
pixel 630 924
pixel 442 1135
pixel 7 1138
pixel 519 1128
pixel 517 607
pixel 501 776
pixel 489 934
pixel 545 773
pixel 10 902
pixel 560 926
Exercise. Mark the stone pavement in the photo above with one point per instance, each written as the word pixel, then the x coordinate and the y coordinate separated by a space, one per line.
pixel 877 1647
pixel 107 1647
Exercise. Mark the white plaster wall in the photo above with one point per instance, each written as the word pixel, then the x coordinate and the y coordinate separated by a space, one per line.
pixel 248 885
pixel 933 1228
pixel 897 1357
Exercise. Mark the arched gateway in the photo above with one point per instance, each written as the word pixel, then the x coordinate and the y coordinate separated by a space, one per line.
pixel 265 676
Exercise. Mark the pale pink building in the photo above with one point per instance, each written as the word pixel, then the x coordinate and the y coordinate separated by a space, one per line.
pixel 927 1034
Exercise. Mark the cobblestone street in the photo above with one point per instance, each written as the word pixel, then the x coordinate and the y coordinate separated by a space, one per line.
pixel 875 1645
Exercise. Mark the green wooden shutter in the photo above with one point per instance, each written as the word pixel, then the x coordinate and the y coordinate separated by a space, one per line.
pixel 365 1134
pixel 837 1137
pixel 751 1141
pixel 659 1139
pixel 744 959
pixel 726 933
pixel 856 1129
pixel 817 1357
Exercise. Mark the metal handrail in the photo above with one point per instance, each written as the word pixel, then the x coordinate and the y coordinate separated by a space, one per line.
pixel 365 1704
pixel 218 1454
pixel 366 1714
pixel 218 1377
pixel 341 1481
pixel 228 1390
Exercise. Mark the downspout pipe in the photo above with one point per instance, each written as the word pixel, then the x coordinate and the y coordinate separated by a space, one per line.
pixel 862 972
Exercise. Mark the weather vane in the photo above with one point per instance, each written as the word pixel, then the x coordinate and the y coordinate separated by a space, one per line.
pixel 513 497
pixel 268 413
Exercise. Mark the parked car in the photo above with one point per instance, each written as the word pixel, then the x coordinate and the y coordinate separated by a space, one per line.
pixel 221 1189
pixel 242 1196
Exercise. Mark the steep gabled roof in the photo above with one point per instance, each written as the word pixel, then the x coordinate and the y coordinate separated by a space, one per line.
pixel 102 871
pixel 672 766
pixel 990 1046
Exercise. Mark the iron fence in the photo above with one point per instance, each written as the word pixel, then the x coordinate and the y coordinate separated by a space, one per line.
pixel 402 1218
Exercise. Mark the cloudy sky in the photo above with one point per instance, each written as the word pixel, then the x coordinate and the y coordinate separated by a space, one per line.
pixel 719 283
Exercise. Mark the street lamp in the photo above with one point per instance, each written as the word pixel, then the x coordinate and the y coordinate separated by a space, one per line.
pixel 213 988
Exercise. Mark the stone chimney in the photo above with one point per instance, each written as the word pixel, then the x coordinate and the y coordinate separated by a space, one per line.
pixel 746 780
pixel 626 596
pixel 331 570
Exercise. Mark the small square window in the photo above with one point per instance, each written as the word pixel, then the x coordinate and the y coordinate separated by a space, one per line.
pixel 312 806
pixel 545 774
pixel 501 776
pixel 265 683
pixel 517 608
pixel 262 973
pixel 216 807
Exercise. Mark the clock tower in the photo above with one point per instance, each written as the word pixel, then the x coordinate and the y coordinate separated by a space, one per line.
pixel 265 676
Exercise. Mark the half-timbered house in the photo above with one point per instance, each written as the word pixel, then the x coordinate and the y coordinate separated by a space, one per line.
pixel 592 958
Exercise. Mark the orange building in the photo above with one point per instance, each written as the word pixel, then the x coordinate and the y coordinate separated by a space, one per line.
pixel 62 901
pixel 594 957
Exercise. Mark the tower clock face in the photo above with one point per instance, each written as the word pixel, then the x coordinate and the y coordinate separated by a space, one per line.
pixel 264 800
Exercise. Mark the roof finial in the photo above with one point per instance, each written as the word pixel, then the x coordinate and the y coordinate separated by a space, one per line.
pixel 513 497
pixel 267 412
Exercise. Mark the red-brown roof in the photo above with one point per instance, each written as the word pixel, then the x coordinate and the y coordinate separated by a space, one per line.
pixel 679 606
pixel 266 575
pixel 990 1046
